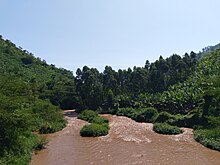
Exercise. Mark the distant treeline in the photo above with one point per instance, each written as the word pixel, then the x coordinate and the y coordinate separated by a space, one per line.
pixel 98 89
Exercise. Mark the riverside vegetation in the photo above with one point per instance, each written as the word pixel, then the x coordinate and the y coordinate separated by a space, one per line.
pixel 98 125
pixel 181 91
pixel 32 94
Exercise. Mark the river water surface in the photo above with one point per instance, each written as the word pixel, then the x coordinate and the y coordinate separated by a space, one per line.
pixel 128 143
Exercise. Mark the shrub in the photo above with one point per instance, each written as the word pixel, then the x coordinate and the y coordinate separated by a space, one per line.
pixel 128 112
pixel 189 120
pixel 94 130
pixel 214 121
pixel 164 128
pixel 208 137
pixel 98 127
pixel 27 60
pixel 50 117
pixel 87 115
pixel 41 142
pixel 99 120
pixel 46 127
pixel 163 117
pixel 146 115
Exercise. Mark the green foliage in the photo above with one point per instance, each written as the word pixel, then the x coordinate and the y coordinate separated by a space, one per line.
pixel 26 85
pixel 41 142
pixel 89 85
pixel 16 140
pixel 43 80
pixel 208 137
pixel 164 128
pixel 180 98
pixel 98 127
pixel 27 60
pixel 189 120
pixel 13 128
pixel 129 112
pixel 92 117
pixel 213 121
pixel 138 114
pixel 50 117
pixel 98 89
pixel 146 115
pixel 99 120
pixel 209 132
pixel 93 130
pixel 88 115
pixel 163 117
pixel 22 158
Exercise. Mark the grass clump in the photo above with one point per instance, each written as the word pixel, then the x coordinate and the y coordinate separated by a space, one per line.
pixel 40 143
pixel 164 128
pixel 208 137
pixel 99 120
pixel 98 127
pixel 94 130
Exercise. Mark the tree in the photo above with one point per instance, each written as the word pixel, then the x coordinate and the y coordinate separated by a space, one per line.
pixel 89 85
pixel 147 65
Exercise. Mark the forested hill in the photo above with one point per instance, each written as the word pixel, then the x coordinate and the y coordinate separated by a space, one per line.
pixel 43 80
pixel 96 89
pixel 207 50
pixel 141 85
pixel 31 95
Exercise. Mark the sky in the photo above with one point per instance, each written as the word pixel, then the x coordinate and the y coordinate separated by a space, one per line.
pixel 117 33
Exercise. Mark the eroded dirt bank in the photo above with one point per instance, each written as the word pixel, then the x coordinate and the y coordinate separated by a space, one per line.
pixel 128 143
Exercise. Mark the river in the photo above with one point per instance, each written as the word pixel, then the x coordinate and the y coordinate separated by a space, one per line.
pixel 128 143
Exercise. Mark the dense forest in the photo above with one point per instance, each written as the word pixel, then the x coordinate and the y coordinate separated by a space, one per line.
pixel 176 91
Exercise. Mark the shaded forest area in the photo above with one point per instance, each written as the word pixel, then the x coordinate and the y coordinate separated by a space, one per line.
pixel 180 90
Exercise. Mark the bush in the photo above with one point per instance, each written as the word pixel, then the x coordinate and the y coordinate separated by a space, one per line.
pixel 163 117
pixel 41 142
pixel 208 137
pixel 189 120
pixel 88 115
pixel 98 127
pixel 94 130
pixel 51 127
pixel 50 117
pixel 164 128
pixel 27 60
pixel 99 120
pixel 47 128
pixel 213 121
pixel 140 114
pixel 146 115
pixel 128 112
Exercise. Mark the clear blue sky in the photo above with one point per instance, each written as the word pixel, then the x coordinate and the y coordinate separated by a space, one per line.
pixel 119 33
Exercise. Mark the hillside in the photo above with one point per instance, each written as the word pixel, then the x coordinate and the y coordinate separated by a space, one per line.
pixel 49 82
pixel 207 50
pixel 31 95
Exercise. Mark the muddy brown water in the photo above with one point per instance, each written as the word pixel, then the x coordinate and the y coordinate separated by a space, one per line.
pixel 128 143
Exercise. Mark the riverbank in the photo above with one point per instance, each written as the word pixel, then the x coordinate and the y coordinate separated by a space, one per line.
pixel 127 143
